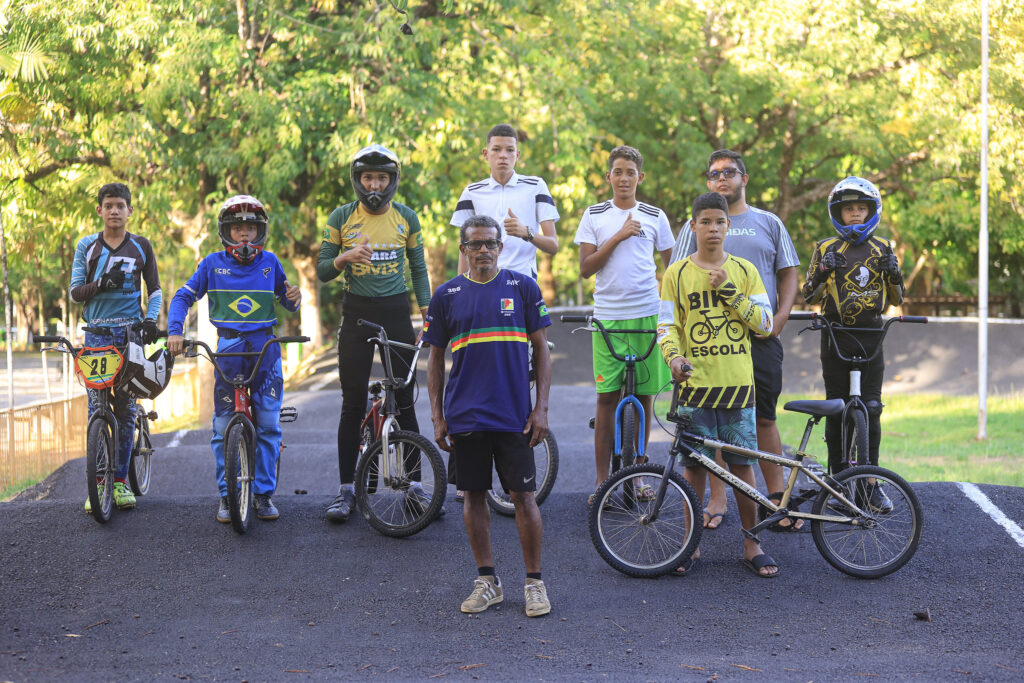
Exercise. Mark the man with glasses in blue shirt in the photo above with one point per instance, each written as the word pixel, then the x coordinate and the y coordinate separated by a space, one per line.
pixel 759 237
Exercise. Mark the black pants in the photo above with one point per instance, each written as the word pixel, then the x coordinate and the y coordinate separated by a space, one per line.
pixel 355 358
pixel 836 374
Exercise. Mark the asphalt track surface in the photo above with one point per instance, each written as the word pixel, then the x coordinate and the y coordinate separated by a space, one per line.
pixel 164 592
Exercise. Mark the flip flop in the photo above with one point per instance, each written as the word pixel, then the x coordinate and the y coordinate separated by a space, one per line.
pixel 645 493
pixel 590 502
pixel 760 562
pixel 711 518
pixel 686 568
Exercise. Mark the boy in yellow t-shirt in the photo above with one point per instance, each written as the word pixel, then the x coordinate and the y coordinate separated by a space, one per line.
pixel 710 301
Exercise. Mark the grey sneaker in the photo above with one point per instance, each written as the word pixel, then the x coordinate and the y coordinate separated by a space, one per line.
pixel 342 507
pixel 537 603
pixel 878 501
pixel 486 592
pixel 223 514
pixel 265 507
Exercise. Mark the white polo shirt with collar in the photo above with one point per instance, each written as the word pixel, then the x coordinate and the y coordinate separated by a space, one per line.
pixel 530 200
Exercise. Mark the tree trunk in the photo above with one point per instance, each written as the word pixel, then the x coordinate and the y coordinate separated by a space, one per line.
pixel 309 310
pixel 546 279
pixel 436 269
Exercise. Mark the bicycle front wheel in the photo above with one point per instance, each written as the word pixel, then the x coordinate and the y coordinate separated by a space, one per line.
pixel 624 533
pixel 239 466
pixel 142 452
pixel 99 469
pixel 857 438
pixel 545 459
pixel 385 490
pixel 868 547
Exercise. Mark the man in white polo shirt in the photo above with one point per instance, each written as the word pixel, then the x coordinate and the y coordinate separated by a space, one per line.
pixel 521 204
pixel 617 241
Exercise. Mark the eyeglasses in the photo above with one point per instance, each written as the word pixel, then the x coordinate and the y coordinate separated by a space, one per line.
pixel 477 245
pixel 728 174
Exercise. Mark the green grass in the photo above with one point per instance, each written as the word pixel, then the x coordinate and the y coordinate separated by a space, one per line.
pixel 17 487
pixel 930 437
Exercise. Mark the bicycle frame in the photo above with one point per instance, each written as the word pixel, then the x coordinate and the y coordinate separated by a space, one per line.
pixel 628 392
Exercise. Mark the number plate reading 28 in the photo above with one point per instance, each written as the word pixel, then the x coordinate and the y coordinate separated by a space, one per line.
pixel 98 367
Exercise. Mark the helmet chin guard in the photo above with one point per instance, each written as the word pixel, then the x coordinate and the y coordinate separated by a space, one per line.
pixel 854 189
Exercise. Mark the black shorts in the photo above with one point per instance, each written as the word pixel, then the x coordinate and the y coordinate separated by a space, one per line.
pixel 766 355
pixel 509 453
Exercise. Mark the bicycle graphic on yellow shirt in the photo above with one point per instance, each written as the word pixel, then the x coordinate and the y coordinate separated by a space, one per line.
pixel 705 330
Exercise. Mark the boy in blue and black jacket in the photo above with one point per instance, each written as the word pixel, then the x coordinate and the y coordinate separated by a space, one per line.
pixel 242 282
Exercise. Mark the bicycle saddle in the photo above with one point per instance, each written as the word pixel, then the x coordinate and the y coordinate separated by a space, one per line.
pixel 827 408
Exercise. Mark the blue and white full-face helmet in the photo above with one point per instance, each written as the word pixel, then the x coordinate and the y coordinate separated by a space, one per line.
pixel 854 189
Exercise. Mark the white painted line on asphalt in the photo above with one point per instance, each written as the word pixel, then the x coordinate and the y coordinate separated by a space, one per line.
pixel 324 382
pixel 176 439
pixel 989 508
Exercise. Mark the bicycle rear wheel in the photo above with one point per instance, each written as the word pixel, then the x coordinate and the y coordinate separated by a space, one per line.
pixel 99 469
pixel 857 438
pixel 625 536
pixel 545 458
pixel 239 471
pixel 142 452
pixel 385 493
pixel 876 545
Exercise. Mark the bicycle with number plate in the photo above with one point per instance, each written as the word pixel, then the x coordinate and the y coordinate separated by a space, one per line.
pixel 400 477
pixel 629 446
pixel 109 370
pixel 648 539
pixel 240 433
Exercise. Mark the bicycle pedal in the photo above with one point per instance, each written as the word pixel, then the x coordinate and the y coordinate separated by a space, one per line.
pixel 289 414
pixel 592 422
pixel 151 416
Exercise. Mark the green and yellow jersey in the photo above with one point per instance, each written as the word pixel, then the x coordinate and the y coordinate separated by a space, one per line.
pixel 394 236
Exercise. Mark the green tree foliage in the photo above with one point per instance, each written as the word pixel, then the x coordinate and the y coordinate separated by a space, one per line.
pixel 190 103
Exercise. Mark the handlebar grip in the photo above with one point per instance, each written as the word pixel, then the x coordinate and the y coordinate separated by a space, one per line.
pixel 367 323
pixel 46 339
pixel 913 319
pixel 288 340
pixel 800 315
pixel 574 318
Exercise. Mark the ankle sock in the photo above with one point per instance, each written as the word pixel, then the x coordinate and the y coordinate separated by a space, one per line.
pixel 533 575
pixel 485 571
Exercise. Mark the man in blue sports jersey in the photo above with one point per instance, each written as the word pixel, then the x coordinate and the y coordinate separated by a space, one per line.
pixel 490 316
pixel 242 282
pixel 106 276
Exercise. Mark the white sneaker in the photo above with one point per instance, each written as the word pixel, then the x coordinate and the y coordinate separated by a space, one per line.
pixel 537 603
pixel 486 592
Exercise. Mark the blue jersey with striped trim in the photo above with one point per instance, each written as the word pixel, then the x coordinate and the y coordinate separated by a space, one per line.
pixel 488 325
pixel 241 296
pixel 94 258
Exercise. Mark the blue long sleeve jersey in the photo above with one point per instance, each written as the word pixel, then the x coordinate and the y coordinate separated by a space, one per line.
pixel 94 258
pixel 241 296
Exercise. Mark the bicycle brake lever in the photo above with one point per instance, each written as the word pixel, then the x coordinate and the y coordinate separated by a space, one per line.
pixel 585 328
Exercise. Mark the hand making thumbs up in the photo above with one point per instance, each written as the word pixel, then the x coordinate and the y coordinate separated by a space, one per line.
pixel 630 228
pixel 514 226
pixel 360 253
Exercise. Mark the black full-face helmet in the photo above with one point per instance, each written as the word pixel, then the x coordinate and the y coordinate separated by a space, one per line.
pixel 242 209
pixel 375 158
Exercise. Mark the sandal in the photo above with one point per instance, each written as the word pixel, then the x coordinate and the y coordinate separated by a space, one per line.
pixel 590 503
pixel 645 493
pixel 795 525
pixel 686 568
pixel 761 561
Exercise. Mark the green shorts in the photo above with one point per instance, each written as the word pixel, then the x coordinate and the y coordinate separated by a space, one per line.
pixel 736 426
pixel 651 375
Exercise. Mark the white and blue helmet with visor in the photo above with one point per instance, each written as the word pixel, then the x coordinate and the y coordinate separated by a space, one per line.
pixel 854 189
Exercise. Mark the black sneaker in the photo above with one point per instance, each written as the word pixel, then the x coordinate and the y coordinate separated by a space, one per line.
pixel 265 507
pixel 878 501
pixel 223 514
pixel 342 507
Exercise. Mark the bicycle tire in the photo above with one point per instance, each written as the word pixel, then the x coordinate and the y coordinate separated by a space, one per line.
pixel 627 540
pixel 545 457
pixel 139 470
pixel 886 542
pixel 734 325
pixel 857 441
pixel 628 432
pixel 99 464
pixel 239 461
pixel 384 506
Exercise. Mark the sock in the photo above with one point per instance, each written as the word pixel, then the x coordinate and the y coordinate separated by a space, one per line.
pixel 533 575
pixel 118 479
pixel 485 571
pixel 418 486
pixel 351 488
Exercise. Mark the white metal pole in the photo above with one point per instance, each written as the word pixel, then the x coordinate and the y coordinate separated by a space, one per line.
pixel 983 238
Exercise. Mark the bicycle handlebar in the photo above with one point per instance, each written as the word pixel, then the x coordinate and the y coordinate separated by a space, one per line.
pixel 591 320
pixel 212 355
pixel 385 344
pixel 47 339
pixel 819 322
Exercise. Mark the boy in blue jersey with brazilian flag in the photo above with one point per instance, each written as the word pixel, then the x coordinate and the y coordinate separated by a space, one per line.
pixel 708 302
pixel 242 282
